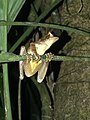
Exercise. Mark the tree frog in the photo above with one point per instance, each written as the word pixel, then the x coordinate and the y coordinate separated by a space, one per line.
pixel 30 66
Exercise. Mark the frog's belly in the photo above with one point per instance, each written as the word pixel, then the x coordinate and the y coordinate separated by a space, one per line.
pixel 32 67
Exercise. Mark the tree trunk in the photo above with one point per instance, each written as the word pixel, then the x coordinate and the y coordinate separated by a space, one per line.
pixel 72 89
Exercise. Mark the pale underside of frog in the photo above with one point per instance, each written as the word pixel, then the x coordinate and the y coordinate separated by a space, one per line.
pixel 31 66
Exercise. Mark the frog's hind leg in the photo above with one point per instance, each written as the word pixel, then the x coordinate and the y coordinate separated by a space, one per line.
pixel 21 63
pixel 42 71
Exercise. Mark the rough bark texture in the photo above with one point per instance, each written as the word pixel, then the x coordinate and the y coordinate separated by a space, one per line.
pixel 72 90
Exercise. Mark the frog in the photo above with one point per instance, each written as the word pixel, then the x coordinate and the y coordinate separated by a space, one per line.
pixel 32 66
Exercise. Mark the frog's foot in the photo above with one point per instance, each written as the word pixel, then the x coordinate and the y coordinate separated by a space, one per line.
pixel 49 56
pixel 36 57
pixel 29 57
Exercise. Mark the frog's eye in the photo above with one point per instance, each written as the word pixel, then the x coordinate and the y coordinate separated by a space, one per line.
pixel 50 34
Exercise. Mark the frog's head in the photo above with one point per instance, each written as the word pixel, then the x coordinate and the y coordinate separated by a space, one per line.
pixel 45 43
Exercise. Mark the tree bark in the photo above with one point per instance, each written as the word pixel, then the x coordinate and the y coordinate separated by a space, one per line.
pixel 72 89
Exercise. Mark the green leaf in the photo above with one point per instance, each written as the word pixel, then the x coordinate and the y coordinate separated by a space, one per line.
pixel 8 11
pixel 14 8
pixel 1 82
pixel 1 28
pixel 3 46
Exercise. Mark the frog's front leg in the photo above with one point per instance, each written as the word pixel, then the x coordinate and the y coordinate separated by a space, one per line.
pixel 31 66
pixel 21 63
